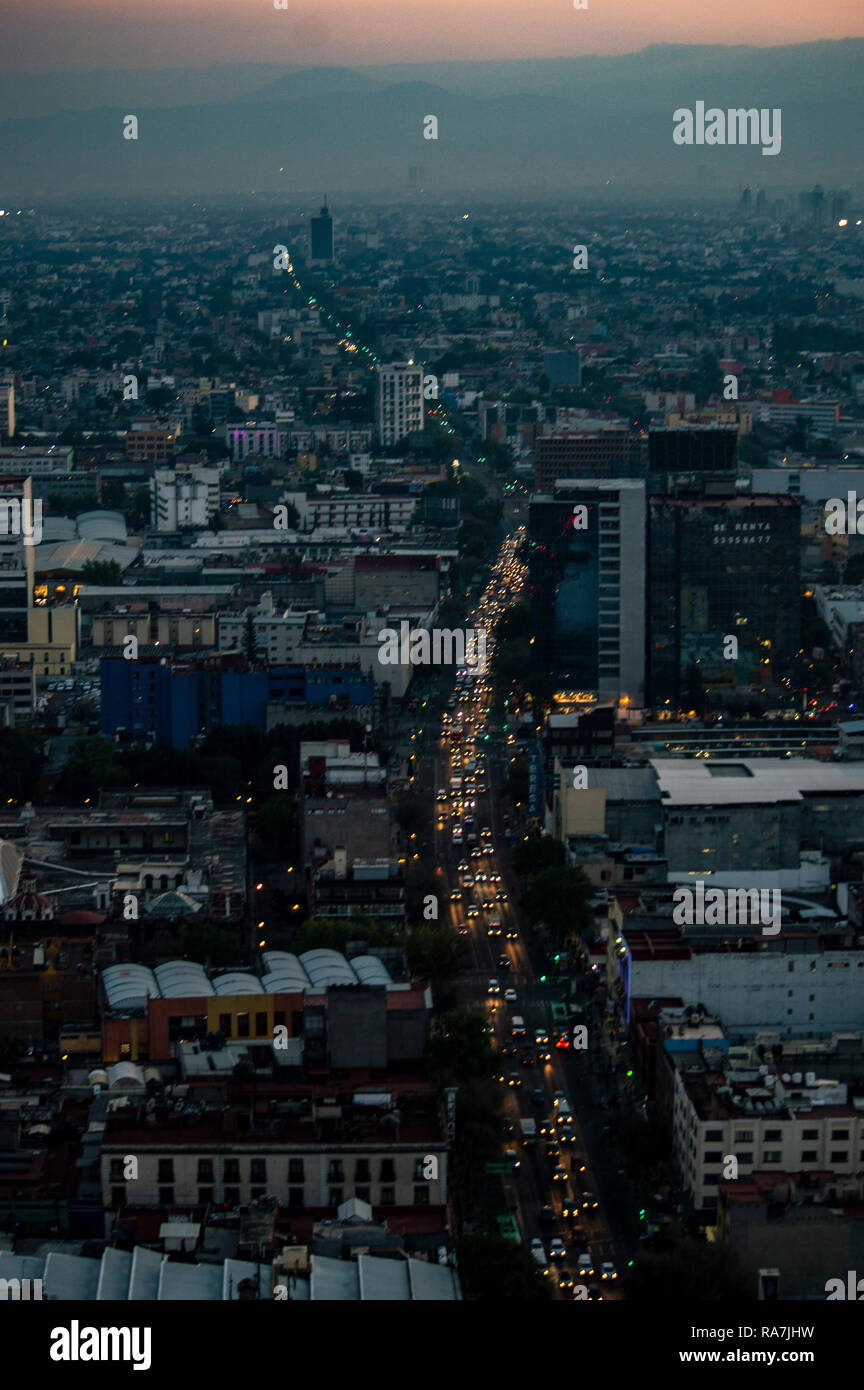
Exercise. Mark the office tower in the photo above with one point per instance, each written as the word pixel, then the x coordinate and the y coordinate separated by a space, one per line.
pixel 745 201
pixel 586 571
pixel 321 235
pixel 693 453
pixel 7 410
pixel 16 556
pixel 720 567
pixel 839 208
pixel 610 454
pixel 761 203
pixel 400 400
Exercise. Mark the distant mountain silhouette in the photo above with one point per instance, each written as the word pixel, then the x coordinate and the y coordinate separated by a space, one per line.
pixel 543 126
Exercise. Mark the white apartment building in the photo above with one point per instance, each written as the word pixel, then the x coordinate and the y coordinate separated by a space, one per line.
pixel 183 499
pixel 264 440
pixel 353 511
pixel 400 401
pixel 277 635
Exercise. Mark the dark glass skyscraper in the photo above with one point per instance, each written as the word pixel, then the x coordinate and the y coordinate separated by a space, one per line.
pixel 586 572
pixel 321 235
pixel 721 567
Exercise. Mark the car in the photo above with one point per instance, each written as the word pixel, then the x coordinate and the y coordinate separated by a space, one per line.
pixel 467 881
pixel 557 1249
pixel 560 1174
pixel 547 1216
pixel 512 934
pixel 585 1264
pixel 578 1162
pixel 493 987
pixel 510 996
pixel 566 1280
pixel 589 1201
pixel 472 910
pixel 552 1152
pixel 441 794
pixel 501 896
pixel 480 877
pixel 594 1293
pixel 456 895
pixel 503 962
pixel 514 1079
pixel 567 1135
pixel 492 931
pixel 486 832
pixel 481 787
pixel 538 1096
pixel 539 1254
pixel 494 878
pixel 488 905
pixel 547 1128
pixel 608 1270
pixel 477 852
pixel 512 1158
pixel 508 1050
pixel 557 1098
pixel 527 1057
pixel 464 866
pixel 570 1207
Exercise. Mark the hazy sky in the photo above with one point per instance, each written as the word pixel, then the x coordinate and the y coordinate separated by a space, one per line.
pixel 77 35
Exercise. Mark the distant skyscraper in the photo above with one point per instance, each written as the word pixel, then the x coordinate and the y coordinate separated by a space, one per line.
pixel 321 235
pixel 400 401
pixel 746 196
pixel 609 454
pixel 586 569
pixel 7 410
pixel 721 567
pixel 16 557
pixel 761 202
pixel 690 452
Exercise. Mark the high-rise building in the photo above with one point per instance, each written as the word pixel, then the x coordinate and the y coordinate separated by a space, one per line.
pixel 321 235
pixel 7 410
pixel 606 454
pixel 17 519
pixel 746 197
pixel 695 451
pixel 400 400
pixel 720 567
pixel 587 586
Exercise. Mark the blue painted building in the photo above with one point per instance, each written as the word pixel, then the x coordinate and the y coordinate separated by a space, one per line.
pixel 176 703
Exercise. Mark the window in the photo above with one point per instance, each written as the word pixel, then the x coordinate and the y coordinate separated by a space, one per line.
pixel 242 1025
pixel 166 1170
pixel 205 1170
pixel 839 1134
pixel 743 1136
pixel 225 1024
pixel 232 1196
pixel 256 1192
pixel 362 1193
pixel 205 1196
pixel 419 1175
pixel 116 1170
pixel 336 1196
pixel 772 1156
pixel 388 1197
pixel 118 1197
pixel 361 1171
pixel 746 1157
pixel 809 1156
pixel 260 1025
pixel 295 1170
pixel 810 1134
pixel 335 1171
pixel 232 1170
pixel 712 1135
pixel 258 1171
pixel 295 1196
pixel 279 1018
pixel 714 1156
pixel 388 1170
pixel 839 1155
pixel 421 1195
pixel 166 1196
pixel 773 1134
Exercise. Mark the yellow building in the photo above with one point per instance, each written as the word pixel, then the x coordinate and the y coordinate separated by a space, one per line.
pixel 52 641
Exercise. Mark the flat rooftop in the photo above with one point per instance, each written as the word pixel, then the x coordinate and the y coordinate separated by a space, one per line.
pixel 739 781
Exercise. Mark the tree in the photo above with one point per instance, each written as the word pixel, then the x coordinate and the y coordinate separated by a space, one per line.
pixel 492 1268
pixel 691 1270
pixel 538 852
pixel 562 899
pixel 462 1046
pixel 103 572
pixel 436 956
